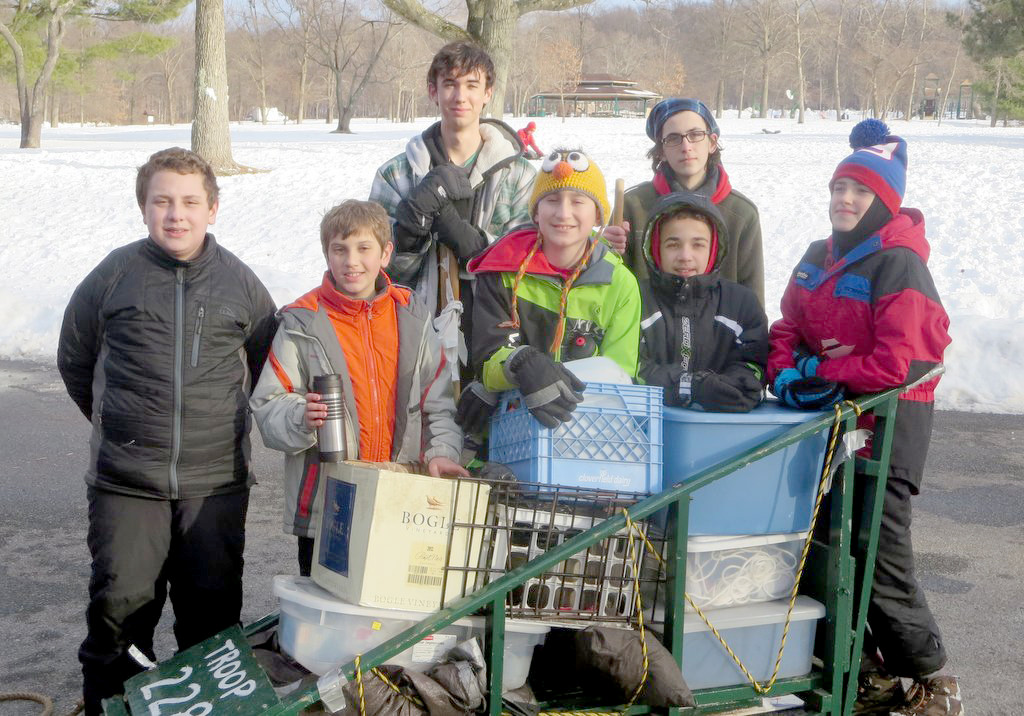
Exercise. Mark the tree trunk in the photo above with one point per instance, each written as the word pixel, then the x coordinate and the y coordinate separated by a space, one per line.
pixel 743 86
pixel 344 112
pixel 303 72
pixel 494 25
pixel 171 119
pixel 995 95
pixel 211 135
pixel 54 110
pixel 835 75
pixel 720 97
pixel 764 88
pixel 910 95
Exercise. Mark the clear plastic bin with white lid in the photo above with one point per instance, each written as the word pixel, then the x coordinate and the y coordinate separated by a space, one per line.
pixel 322 632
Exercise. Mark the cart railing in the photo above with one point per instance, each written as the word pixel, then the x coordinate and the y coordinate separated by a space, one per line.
pixel 843 584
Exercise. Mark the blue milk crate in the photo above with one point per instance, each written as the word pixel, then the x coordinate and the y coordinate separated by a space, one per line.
pixel 613 440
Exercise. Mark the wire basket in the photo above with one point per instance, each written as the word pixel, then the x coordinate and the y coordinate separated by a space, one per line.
pixel 524 521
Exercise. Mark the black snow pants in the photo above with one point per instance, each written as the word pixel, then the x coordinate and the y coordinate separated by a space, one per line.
pixel 138 547
pixel 900 625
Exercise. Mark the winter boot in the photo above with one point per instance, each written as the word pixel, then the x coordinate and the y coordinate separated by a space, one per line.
pixel 937 696
pixel 878 692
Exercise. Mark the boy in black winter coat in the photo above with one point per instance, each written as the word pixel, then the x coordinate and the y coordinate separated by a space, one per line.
pixel 704 339
pixel 159 349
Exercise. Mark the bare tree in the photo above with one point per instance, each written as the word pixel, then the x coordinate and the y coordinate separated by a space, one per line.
pixel 491 23
pixel 170 64
pixel 562 67
pixel 211 135
pixel 253 57
pixel 724 14
pixel 30 96
pixel 295 20
pixel 767 26
pixel 799 52
pixel 349 44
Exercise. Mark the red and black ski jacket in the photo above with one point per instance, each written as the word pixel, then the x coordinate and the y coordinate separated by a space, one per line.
pixel 875 319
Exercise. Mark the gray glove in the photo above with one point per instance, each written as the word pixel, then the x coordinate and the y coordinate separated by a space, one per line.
pixel 550 391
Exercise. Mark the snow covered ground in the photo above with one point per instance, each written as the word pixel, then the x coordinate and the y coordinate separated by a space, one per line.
pixel 64 207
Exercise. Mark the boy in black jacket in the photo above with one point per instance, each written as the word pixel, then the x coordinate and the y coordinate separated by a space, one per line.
pixel 160 347
pixel 704 339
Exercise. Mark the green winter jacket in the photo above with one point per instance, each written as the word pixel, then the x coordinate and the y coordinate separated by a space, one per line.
pixel 602 315
pixel 745 262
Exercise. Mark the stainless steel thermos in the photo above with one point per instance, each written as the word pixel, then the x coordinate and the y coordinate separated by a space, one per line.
pixel 331 435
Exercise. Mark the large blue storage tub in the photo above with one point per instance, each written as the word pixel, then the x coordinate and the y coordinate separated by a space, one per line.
pixel 773 495
pixel 612 442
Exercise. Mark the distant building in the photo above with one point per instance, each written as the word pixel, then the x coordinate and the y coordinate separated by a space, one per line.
pixel 597 95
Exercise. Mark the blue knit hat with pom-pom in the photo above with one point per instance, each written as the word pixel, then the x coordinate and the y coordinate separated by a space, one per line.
pixel 879 162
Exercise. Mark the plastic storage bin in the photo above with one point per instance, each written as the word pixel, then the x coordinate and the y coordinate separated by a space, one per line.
pixel 772 495
pixel 732 571
pixel 613 441
pixel 754 632
pixel 321 632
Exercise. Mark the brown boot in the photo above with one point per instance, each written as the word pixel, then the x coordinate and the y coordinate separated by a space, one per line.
pixel 937 696
pixel 878 692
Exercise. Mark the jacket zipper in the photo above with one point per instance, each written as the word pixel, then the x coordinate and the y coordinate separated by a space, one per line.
pixel 371 365
pixel 179 350
pixel 196 335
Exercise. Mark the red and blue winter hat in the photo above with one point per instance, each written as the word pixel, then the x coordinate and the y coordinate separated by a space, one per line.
pixel 879 162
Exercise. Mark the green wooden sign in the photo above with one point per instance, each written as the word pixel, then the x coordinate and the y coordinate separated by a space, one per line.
pixel 219 677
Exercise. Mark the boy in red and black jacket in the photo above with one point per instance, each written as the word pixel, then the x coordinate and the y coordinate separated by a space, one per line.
pixel 861 315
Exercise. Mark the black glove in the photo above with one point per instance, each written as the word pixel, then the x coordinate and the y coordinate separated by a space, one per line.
pixel 442 184
pixel 458 234
pixel 812 393
pixel 550 391
pixel 476 404
pixel 415 213
pixel 736 393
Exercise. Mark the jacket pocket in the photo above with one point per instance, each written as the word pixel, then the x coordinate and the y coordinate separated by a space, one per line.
pixel 197 335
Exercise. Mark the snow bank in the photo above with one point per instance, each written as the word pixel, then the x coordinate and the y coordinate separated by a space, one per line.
pixel 64 207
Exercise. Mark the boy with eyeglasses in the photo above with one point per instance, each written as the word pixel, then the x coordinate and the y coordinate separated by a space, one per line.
pixel 687 156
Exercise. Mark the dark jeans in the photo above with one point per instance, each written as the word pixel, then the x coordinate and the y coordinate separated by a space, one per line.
pixel 900 624
pixel 139 547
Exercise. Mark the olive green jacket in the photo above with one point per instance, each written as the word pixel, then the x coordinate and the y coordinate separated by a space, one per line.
pixel 744 263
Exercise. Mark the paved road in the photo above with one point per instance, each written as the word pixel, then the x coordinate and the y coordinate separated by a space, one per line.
pixel 969 536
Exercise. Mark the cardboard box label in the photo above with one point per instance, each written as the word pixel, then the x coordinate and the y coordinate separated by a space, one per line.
pixel 339 504
pixel 426 564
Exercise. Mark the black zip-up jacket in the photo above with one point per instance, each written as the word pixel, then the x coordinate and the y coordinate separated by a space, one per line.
pixel 706 329
pixel 161 356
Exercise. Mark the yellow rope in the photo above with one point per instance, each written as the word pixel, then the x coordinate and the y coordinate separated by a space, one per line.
pixel 634 558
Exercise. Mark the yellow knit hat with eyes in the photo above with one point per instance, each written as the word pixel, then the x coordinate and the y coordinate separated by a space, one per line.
pixel 571 169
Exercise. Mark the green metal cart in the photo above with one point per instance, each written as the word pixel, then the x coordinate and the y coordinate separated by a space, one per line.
pixel 221 676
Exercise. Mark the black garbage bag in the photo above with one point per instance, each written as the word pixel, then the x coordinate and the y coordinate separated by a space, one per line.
pixel 463 675
pixel 379 699
pixel 614 658
pixel 455 687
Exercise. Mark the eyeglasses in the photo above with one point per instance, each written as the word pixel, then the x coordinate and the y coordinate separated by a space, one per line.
pixel 674 139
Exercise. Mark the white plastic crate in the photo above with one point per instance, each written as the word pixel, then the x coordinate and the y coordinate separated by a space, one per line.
pixel 322 632
pixel 732 571
pixel 596 584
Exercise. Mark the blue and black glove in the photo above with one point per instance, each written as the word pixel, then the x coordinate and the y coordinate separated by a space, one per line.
pixel 812 393
pixel 806 362
pixel 550 390
pixel 476 405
